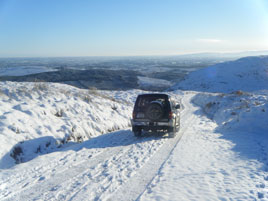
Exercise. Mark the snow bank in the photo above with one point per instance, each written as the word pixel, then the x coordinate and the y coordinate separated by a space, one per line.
pixel 37 118
pixel 246 74
pixel 237 111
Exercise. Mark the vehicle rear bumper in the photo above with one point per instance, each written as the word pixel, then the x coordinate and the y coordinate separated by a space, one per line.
pixel 153 125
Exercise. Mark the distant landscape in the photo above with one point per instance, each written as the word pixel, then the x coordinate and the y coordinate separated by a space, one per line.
pixel 110 73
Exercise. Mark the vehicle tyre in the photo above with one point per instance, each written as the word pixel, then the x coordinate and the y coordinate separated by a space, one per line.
pixel 155 111
pixel 179 125
pixel 136 131
pixel 172 131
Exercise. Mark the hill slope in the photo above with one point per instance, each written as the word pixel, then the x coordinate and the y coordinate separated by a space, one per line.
pixel 38 118
pixel 246 74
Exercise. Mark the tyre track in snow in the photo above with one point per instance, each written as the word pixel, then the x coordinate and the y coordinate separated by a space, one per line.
pixel 116 171
pixel 27 176
pixel 137 185
pixel 46 189
pixel 60 176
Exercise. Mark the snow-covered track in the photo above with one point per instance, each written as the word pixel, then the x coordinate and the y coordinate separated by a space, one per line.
pixel 137 184
pixel 122 151
pixel 108 167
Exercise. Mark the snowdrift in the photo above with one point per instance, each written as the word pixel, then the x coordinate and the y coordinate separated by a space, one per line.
pixel 238 111
pixel 38 118
pixel 246 74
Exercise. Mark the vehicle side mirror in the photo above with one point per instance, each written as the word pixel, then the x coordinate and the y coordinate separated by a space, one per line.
pixel 178 106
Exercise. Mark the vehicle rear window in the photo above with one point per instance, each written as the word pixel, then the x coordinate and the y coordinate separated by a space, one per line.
pixel 144 101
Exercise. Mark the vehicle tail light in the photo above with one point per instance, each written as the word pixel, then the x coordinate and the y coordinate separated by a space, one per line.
pixel 170 115
pixel 133 115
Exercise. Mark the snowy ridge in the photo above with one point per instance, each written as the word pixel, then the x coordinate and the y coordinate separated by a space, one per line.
pixel 246 74
pixel 37 118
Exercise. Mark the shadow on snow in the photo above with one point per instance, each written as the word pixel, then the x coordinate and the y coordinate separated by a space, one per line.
pixel 28 150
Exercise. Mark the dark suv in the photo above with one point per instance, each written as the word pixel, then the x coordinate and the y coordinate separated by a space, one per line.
pixel 155 112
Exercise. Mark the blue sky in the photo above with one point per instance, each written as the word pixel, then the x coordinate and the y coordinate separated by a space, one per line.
pixel 131 27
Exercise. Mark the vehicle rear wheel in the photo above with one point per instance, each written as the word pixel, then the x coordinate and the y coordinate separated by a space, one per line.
pixel 172 131
pixel 178 126
pixel 136 131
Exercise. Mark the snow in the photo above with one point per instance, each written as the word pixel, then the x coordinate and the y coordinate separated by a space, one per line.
pixel 238 111
pixel 246 74
pixel 39 117
pixel 77 144
pixel 215 163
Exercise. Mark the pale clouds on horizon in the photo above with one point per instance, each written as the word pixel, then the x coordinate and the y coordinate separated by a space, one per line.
pixel 209 40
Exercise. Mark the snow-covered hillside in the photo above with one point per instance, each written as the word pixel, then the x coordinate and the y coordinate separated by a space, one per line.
pixel 37 118
pixel 246 74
